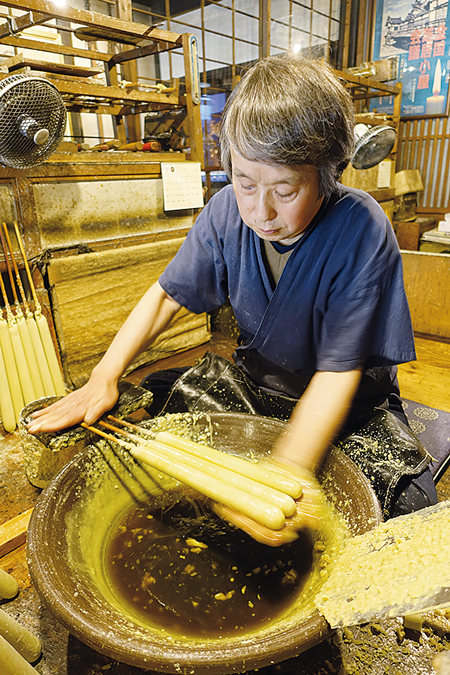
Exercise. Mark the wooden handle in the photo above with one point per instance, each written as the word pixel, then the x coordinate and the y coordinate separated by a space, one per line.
pixel 152 146
pixel 27 267
pixel 214 488
pixel 138 145
pixel 239 480
pixel 107 145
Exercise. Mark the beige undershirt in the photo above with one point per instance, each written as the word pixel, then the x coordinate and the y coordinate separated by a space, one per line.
pixel 276 261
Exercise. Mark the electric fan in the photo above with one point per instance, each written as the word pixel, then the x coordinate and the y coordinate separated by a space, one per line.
pixel 372 145
pixel 32 120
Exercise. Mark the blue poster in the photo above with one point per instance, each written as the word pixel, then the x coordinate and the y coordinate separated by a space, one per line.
pixel 417 32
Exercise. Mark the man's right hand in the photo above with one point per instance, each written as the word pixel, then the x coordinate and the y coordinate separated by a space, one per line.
pixel 308 514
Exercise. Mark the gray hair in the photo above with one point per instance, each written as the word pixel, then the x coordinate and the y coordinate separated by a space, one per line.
pixel 290 111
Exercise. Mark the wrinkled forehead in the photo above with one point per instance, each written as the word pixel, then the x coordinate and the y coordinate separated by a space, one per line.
pixel 278 172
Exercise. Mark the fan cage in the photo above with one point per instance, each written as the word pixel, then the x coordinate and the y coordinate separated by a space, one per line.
pixel 373 146
pixel 24 97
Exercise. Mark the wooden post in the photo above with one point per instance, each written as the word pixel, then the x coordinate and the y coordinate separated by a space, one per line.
pixel 130 72
pixel 264 28
pixel 396 119
pixel 192 80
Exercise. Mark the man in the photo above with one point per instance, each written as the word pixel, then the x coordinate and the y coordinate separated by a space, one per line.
pixel 312 269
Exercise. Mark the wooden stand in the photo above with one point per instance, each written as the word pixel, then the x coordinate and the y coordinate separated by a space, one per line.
pixel 94 222
pixel 408 233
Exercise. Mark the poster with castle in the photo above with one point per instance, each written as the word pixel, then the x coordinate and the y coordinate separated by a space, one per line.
pixel 417 32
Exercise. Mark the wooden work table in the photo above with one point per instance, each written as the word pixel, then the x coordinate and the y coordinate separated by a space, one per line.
pixel 369 649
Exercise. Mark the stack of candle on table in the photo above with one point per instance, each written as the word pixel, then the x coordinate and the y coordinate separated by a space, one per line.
pixel 18 647
pixel 29 366
pixel 260 492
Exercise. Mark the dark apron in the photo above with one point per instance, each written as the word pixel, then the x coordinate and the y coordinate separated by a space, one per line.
pixel 385 449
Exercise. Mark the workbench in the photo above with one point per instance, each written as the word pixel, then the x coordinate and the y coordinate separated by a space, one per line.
pixel 375 649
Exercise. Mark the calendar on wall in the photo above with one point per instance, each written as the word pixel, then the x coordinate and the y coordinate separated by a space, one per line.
pixel 182 185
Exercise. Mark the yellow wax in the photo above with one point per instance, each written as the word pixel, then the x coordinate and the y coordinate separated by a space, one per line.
pixel 27 644
pixel 11 661
pixel 8 586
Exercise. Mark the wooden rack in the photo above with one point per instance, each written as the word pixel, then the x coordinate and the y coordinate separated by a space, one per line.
pixel 119 238
pixel 362 89
pixel 131 41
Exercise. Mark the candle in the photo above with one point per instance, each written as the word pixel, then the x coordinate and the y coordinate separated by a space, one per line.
pixel 11 661
pixel 19 637
pixel 8 586
pixel 435 104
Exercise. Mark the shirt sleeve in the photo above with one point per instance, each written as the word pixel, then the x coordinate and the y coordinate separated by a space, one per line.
pixel 197 276
pixel 366 318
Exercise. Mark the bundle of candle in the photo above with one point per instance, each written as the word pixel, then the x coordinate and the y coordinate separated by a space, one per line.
pixel 18 647
pixel 263 493
pixel 29 366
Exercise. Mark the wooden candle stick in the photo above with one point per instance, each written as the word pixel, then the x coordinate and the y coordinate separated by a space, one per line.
pixel 214 488
pixel 36 342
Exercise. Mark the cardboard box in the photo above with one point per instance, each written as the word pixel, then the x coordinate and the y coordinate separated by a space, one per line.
pixel 407 181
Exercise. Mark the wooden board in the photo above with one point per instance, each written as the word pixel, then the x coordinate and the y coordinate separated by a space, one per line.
pixel 427 380
pixel 119 207
pixel 408 233
pixel 426 283
pixel 93 294
pixel 14 532
pixel 20 61
pixel 367 179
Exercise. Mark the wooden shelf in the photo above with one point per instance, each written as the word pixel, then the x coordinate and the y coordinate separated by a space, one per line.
pixel 80 95
pixel 20 61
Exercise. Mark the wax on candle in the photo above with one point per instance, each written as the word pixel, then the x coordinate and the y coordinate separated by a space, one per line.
pixel 11 661
pixel 435 104
pixel 8 586
pixel 27 644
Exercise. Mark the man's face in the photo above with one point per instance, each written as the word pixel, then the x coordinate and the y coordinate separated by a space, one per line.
pixel 276 202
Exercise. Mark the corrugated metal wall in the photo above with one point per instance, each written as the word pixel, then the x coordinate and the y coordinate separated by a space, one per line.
pixel 424 145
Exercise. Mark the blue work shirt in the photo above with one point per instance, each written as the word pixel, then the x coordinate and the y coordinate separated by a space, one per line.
pixel 340 302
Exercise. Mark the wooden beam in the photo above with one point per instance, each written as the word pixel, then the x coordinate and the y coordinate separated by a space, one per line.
pixel 193 108
pixel 16 24
pixel 114 108
pixel 65 50
pixel 98 91
pixel 365 83
pixel 80 162
pixel 20 61
pixel 132 132
pixel 121 29
pixel 139 52
pixel 264 28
